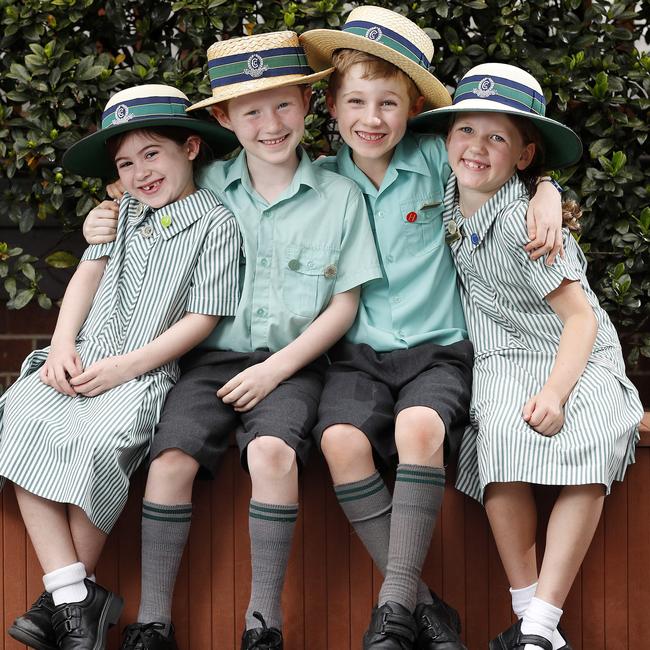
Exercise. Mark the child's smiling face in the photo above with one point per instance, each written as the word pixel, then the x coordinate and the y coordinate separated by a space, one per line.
pixel 485 150
pixel 269 124
pixel 372 113
pixel 156 170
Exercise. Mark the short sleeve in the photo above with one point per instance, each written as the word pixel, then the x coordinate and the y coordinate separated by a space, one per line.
pixel 97 251
pixel 539 276
pixel 358 262
pixel 215 283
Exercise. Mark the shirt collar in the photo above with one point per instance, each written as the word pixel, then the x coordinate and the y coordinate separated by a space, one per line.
pixel 406 157
pixel 174 217
pixel 305 174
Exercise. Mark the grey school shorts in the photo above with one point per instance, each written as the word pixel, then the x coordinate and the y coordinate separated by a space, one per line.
pixel 367 389
pixel 196 421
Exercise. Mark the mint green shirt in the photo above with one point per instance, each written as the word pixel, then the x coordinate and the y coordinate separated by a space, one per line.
pixel 416 300
pixel 312 242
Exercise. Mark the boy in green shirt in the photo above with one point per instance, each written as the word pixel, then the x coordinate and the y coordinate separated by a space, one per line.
pixel 308 247
pixel 400 382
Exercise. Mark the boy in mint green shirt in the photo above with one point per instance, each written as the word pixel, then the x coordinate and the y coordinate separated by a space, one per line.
pixel 400 381
pixel 307 248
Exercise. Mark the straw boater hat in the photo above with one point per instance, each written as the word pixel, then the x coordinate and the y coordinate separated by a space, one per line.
pixel 387 35
pixel 503 88
pixel 149 105
pixel 240 66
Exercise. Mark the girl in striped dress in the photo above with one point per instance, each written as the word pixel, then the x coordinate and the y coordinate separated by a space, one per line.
pixel 80 418
pixel 551 403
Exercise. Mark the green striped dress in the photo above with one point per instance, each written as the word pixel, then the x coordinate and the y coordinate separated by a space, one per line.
pixel 516 335
pixel 82 450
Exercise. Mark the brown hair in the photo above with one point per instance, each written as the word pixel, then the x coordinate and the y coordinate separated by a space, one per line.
pixel 373 68
pixel 177 134
pixel 571 211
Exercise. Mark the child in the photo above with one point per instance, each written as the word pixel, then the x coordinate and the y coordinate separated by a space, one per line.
pixel 551 403
pixel 400 382
pixel 308 247
pixel 81 417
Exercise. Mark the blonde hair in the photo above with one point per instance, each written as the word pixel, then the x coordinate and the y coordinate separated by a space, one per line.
pixel 373 68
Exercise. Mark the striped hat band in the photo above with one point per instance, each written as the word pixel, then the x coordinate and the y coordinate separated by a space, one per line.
pixel 245 66
pixel 502 91
pixel 389 38
pixel 144 108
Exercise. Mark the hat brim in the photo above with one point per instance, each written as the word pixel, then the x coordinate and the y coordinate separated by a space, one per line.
pixel 562 146
pixel 257 85
pixel 320 45
pixel 89 156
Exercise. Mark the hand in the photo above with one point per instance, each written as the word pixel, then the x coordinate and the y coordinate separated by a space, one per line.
pixel 544 412
pixel 115 190
pixel 250 386
pixel 544 222
pixel 100 226
pixel 62 363
pixel 102 376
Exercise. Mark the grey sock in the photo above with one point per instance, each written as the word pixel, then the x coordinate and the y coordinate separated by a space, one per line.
pixel 271 530
pixel 367 505
pixel 164 534
pixel 416 501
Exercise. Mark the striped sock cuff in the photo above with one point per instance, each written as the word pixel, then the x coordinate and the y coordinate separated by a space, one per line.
pixel 174 514
pixel 273 512
pixel 421 474
pixel 360 489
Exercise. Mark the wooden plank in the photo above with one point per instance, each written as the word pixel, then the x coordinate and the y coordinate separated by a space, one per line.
pixel 453 554
pixel 13 564
pixel 593 593
pixel 477 599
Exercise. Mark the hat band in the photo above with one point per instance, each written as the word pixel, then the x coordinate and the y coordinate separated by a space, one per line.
pixel 501 91
pixel 277 62
pixel 389 38
pixel 139 109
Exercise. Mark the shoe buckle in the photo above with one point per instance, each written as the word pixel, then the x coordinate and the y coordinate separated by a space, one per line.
pixel 384 622
pixel 432 627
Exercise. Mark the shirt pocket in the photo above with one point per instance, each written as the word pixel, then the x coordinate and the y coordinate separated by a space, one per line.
pixel 422 223
pixel 308 280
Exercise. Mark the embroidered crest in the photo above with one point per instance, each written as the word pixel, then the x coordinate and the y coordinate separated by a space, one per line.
pixel 453 233
pixel 485 88
pixel 122 114
pixel 256 67
pixel 374 33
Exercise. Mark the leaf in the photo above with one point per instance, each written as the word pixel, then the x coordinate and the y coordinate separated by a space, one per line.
pixel 62 260
pixel 600 147
pixel 21 299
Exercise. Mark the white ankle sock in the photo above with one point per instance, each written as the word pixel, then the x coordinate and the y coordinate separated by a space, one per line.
pixel 521 599
pixel 558 640
pixel 541 618
pixel 67 583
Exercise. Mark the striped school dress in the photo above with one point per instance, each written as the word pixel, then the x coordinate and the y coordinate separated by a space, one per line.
pixel 181 258
pixel 516 336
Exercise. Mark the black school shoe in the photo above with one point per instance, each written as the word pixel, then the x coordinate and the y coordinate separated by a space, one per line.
pixel 83 625
pixel 513 639
pixel 392 627
pixel 438 626
pixel 262 638
pixel 148 636
pixel 567 645
pixel 34 627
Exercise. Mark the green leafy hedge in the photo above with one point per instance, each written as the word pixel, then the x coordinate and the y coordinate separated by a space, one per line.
pixel 61 59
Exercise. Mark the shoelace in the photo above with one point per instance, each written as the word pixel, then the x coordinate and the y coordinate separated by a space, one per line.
pixel 267 636
pixel 138 632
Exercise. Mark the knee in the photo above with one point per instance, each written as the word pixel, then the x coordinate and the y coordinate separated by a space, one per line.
pixel 420 430
pixel 345 447
pixel 173 466
pixel 270 457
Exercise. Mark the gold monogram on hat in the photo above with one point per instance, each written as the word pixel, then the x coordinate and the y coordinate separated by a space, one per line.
pixel 240 66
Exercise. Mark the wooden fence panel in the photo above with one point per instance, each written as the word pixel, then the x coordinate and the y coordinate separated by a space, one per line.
pixel 331 583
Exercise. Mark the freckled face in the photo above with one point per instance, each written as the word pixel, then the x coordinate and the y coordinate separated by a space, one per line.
pixel 155 170
pixel 485 150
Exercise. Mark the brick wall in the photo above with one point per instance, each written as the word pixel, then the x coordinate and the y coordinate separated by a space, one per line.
pixel 21 332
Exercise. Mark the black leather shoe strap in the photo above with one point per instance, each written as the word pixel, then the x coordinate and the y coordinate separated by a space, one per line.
pixel 399 625
pixel 534 639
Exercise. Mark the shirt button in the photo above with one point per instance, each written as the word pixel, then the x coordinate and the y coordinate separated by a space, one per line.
pixel 264 261
pixel 146 231
pixel 330 271
pixel 261 311
pixel 389 258
pixel 380 214
pixel 294 265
